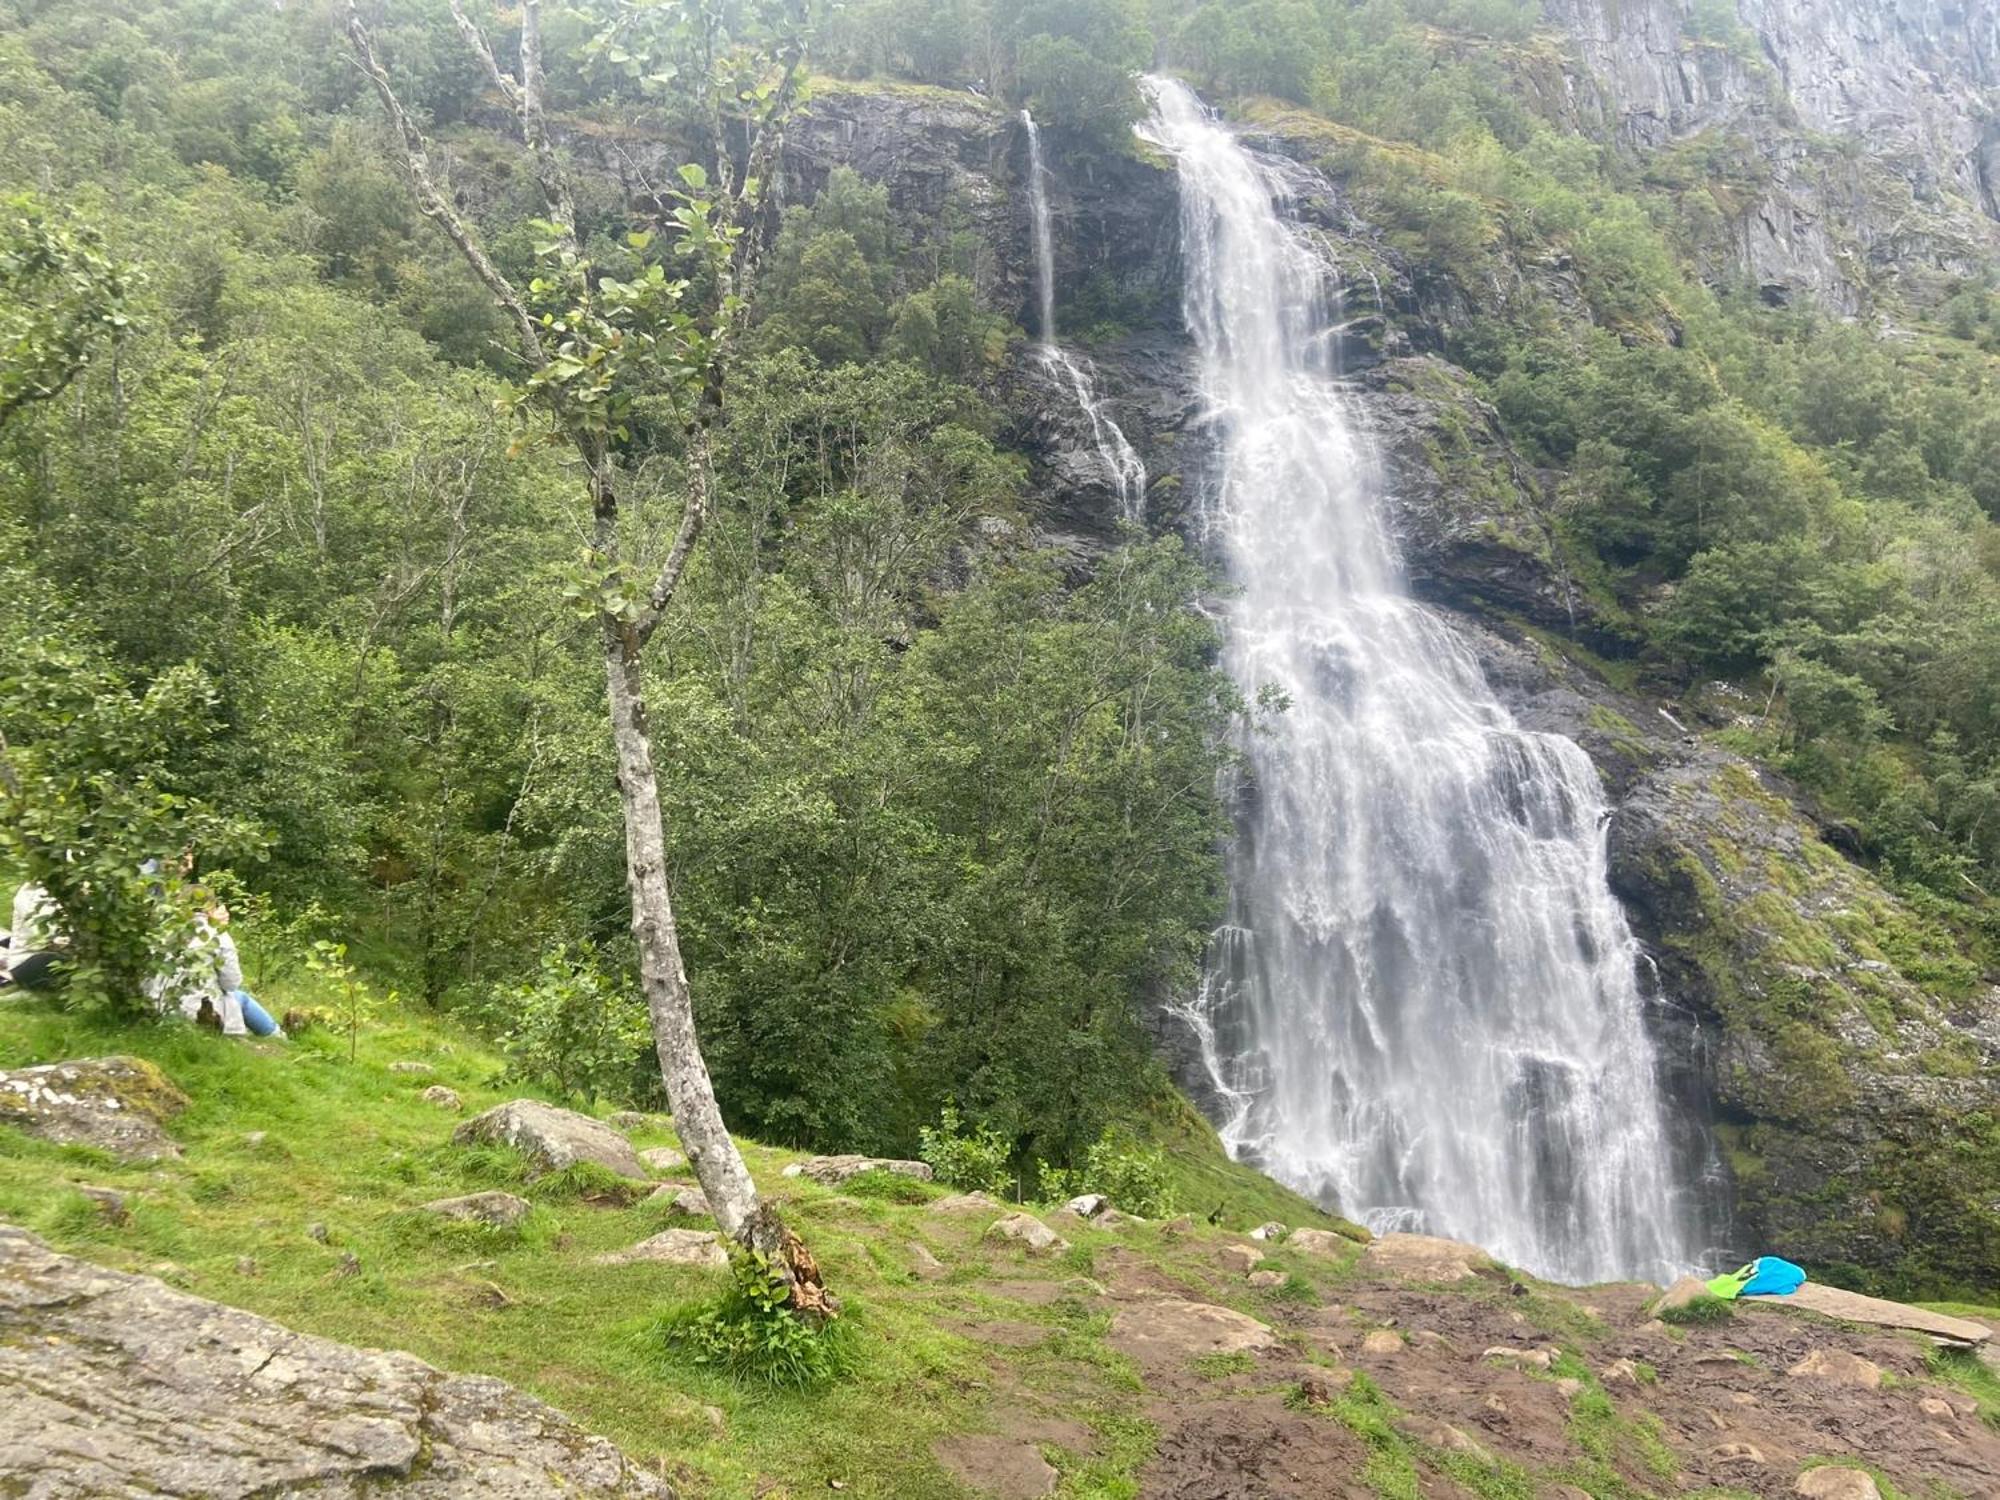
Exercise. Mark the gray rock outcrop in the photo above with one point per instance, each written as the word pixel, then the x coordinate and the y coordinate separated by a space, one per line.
pixel 117 1385
pixel 554 1139
pixel 116 1104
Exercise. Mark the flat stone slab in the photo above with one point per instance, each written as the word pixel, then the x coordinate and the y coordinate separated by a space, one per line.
pixel 1169 1330
pixel 116 1104
pixel 1853 1307
pixel 832 1170
pixel 1421 1257
pixel 672 1247
pixel 502 1210
pixel 119 1385
pixel 679 1198
pixel 553 1138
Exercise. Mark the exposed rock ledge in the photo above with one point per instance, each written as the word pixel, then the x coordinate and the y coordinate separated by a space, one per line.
pixel 117 1385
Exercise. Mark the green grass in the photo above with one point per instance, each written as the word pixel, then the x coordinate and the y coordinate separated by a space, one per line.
pixel 1966 1372
pixel 284 1135
pixel 1203 1179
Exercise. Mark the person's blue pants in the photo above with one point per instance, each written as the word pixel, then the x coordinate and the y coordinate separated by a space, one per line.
pixel 255 1016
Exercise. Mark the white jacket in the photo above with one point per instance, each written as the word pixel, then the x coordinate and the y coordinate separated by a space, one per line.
pixel 213 974
pixel 34 925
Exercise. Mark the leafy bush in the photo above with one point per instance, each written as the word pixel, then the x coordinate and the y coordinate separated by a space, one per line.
pixel 573 1030
pixel 752 1334
pixel 1134 1177
pixel 973 1158
pixel 1701 1311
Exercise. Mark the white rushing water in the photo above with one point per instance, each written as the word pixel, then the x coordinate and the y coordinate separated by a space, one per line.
pixel 1122 465
pixel 1424 1007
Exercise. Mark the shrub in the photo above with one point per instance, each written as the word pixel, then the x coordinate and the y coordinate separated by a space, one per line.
pixel 752 1334
pixel 972 1158
pixel 575 1031
pixel 1133 1177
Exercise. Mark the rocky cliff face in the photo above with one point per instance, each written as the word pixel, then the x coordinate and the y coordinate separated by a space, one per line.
pixel 1835 1064
pixel 1867 131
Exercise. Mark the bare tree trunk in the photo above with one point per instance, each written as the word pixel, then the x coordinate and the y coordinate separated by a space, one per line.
pixel 718 1165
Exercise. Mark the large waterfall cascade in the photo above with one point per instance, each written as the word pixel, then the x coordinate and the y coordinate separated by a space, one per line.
pixel 1424 1006
pixel 1122 465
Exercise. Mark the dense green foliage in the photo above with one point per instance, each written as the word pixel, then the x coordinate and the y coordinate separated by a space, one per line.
pixel 937 813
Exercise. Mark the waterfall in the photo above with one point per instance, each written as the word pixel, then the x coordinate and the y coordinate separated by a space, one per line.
pixel 1424 1006
pixel 1122 464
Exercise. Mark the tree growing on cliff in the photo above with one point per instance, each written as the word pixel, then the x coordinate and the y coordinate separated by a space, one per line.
pixel 606 357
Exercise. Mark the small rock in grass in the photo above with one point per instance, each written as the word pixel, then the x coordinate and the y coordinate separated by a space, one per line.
pixel 679 1198
pixel 664 1159
pixel 1088 1205
pixel 1620 1372
pixel 1569 1387
pixel 413 1069
pixel 1320 1242
pixel 966 1203
pixel 350 1264
pixel 1382 1341
pixel 1834 1482
pixel 316 1231
pixel 924 1265
pixel 1030 1232
pixel 1239 1258
pixel 1679 1295
pixel 833 1170
pixel 110 1202
pixel 1314 1391
pixel 1931 1406
pixel 246 1265
pixel 1736 1453
pixel 672 1247
pixel 1178 1225
pixel 501 1210
pixel 1838 1367
pixel 1450 1439
pixel 255 1138
pixel 1267 1280
pixel 1530 1359
pixel 1271 1231
pixel 1111 1218
pixel 628 1120
pixel 443 1098
pixel 171 1272
pixel 1653 1326
pixel 555 1139
pixel 1083 1286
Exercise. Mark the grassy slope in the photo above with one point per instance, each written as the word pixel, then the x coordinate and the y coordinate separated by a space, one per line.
pixel 352 1146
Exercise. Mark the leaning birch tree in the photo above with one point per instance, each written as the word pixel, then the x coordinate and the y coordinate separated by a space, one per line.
pixel 592 344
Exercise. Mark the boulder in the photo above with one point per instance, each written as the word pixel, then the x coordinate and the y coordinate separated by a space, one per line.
pixel 1088 1205
pixel 1419 1257
pixel 1834 1482
pixel 1111 1218
pixel 501 1210
pixel 1320 1242
pixel 1382 1341
pixel 118 1385
pixel 110 1202
pixel 553 1138
pixel 1241 1259
pixel 679 1198
pixel 116 1104
pixel 443 1098
pixel 1029 1232
pixel 1266 1281
pixel 664 1159
pixel 924 1265
pixel 1272 1230
pixel 832 1170
pixel 671 1247
pixel 1838 1367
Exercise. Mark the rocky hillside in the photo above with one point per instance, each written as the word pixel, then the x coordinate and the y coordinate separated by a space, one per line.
pixel 169 1320
pixel 1834 1056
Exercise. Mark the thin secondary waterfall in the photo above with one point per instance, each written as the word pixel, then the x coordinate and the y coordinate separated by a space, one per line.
pixel 1121 464
pixel 1424 1007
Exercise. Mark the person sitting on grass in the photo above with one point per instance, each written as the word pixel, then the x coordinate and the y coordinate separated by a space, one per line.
pixel 34 949
pixel 213 980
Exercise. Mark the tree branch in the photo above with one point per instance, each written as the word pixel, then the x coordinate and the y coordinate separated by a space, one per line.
pixel 668 583
pixel 534 126
pixel 433 203
pixel 509 89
